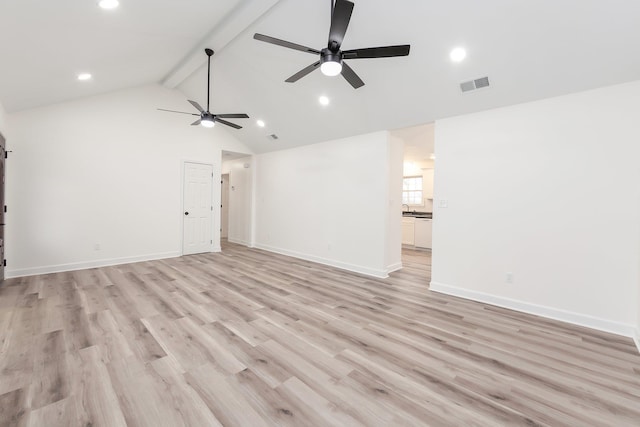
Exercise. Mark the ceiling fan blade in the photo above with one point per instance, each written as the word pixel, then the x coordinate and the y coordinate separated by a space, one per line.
pixel 377 52
pixel 300 74
pixel 224 122
pixel 285 43
pixel 181 112
pixel 196 123
pixel 195 104
pixel 351 76
pixel 339 23
pixel 232 116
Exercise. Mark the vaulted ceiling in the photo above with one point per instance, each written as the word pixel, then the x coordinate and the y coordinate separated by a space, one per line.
pixel 45 44
pixel 529 50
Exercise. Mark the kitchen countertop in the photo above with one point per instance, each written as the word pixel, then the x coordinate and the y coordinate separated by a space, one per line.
pixel 416 214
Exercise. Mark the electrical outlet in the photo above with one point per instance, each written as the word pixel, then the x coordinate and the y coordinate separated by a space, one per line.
pixel 96 247
pixel 508 277
pixel 444 203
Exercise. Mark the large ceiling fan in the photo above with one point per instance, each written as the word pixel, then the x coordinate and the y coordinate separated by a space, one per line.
pixel 208 119
pixel 331 57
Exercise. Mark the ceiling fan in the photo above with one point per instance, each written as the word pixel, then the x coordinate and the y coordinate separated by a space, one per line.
pixel 208 119
pixel 331 57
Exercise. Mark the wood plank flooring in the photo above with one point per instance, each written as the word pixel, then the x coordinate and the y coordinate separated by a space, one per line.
pixel 250 338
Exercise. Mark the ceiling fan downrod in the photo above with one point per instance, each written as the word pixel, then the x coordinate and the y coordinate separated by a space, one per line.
pixel 209 53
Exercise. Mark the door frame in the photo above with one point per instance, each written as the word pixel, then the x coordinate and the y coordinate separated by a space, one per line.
pixel 224 209
pixel 214 218
pixel 3 203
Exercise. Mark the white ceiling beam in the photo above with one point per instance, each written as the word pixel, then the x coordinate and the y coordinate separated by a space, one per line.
pixel 240 18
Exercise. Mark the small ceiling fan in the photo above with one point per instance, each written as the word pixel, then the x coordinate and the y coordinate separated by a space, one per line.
pixel 208 119
pixel 331 57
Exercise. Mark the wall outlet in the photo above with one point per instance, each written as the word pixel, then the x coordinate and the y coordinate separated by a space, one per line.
pixel 444 203
pixel 508 277
pixel 96 247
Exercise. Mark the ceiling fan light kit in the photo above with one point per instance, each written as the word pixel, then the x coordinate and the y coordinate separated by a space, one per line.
pixel 330 62
pixel 207 119
pixel 331 58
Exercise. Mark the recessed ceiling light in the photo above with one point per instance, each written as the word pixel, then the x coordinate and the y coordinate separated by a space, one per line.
pixel 260 123
pixel 108 4
pixel 323 100
pixel 458 54
pixel 84 76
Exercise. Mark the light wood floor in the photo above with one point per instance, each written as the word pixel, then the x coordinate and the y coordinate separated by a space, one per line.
pixel 249 338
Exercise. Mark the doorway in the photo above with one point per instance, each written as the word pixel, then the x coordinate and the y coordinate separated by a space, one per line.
pixel 197 208
pixel 236 198
pixel 224 207
pixel 417 193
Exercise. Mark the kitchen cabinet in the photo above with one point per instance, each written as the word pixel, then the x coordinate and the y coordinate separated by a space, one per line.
pixel 408 233
pixel 422 233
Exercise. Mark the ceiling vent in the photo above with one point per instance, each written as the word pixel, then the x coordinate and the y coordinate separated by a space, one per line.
pixel 474 84
pixel 273 136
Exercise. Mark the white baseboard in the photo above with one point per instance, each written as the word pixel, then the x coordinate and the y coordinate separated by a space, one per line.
pixel 238 241
pixel 216 249
pixel 21 272
pixel 636 339
pixel 382 274
pixel 605 325
pixel 394 267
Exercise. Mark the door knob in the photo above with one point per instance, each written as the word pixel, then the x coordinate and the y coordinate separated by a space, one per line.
pixel 186 213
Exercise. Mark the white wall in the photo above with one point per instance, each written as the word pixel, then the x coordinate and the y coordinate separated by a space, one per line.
pixel 637 332
pixel 549 191
pixel 105 171
pixel 3 121
pixel 394 216
pixel 240 199
pixel 309 202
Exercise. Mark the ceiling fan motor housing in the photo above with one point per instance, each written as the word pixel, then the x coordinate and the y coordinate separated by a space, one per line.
pixel 327 55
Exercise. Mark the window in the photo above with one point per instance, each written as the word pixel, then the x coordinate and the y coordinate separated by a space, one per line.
pixel 412 190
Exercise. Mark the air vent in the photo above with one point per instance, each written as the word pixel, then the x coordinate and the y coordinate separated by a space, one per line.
pixel 474 84
pixel 467 86
pixel 273 136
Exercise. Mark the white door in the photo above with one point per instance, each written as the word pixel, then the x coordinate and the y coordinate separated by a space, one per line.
pixel 198 209
pixel 224 207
